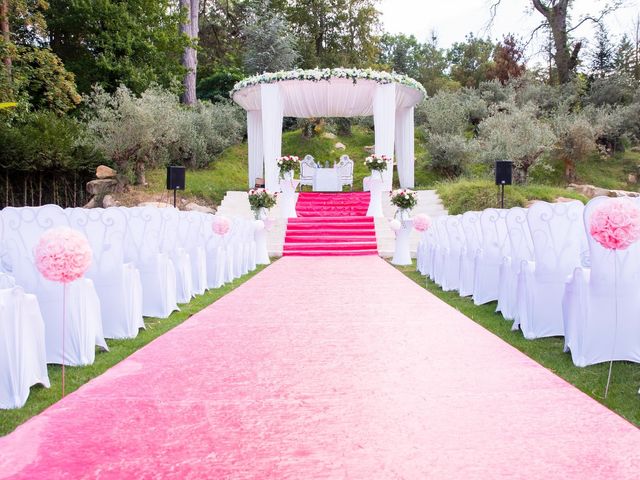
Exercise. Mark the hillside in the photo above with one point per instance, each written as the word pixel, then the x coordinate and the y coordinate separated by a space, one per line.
pixel 476 190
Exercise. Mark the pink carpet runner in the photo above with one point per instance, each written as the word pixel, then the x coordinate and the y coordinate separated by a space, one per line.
pixel 331 224
pixel 331 369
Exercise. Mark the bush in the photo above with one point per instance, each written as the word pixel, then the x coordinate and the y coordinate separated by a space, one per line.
pixel 154 129
pixel 516 134
pixel 465 195
pixel 576 138
pixel 450 153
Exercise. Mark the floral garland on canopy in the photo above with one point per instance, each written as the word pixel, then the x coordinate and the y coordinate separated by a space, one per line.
pixel 318 74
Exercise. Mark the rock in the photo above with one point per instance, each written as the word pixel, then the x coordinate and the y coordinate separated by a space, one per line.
pixel 155 204
pixel 102 187
pixel 109 201
pixel 340 146
pixel 635 148
pixel 590 191
pixel 103 172
pixel 194 207
pixel 92 203
pixel 632 178
pixel 329 135
pixel 564 200
pixel 370 148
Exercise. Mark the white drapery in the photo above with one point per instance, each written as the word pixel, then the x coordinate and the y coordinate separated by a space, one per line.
pixel 390 104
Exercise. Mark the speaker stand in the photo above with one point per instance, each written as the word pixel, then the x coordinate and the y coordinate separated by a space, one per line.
pixel 502 195
pixel 175 191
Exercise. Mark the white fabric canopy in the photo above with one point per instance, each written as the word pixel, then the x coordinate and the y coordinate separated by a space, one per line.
pixel 391 105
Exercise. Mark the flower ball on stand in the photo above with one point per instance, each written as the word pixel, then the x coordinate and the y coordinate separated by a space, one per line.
pixel 63 255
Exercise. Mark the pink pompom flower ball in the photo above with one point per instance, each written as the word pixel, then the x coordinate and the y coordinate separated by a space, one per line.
pixel 616 224
pixel 62 255
pixel 422 222
pixel 220 225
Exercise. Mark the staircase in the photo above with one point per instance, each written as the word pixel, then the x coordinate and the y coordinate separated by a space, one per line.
pixel 331 224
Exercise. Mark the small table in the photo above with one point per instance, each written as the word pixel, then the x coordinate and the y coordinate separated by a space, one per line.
pixel 326 180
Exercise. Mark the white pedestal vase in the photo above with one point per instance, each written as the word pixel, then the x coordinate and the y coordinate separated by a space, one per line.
pixel 260 236
pixel 375 202
pixel 288 198
pixel 402 252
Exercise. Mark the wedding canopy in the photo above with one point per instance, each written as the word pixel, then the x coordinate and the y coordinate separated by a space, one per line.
pixel 269 97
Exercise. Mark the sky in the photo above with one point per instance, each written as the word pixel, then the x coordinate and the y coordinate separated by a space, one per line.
pixel 453 19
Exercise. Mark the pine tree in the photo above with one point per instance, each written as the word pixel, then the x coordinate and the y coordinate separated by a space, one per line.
pixel 624 57
pixel 602 57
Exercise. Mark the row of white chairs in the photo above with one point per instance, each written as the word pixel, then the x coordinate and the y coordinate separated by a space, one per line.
pixel 146 260
pixel 546 273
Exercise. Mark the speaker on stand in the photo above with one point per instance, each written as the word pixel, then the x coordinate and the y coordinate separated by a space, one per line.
pixel 503 176
pixel 175 180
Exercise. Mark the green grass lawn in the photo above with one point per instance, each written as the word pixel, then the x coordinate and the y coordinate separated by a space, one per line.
pixel 40 397
pixel 623 395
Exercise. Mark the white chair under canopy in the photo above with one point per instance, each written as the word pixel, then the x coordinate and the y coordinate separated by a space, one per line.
pixel 23 228
pixel 157 273
pixel 308 168
pixel 558 236
pixel 592 332
pixel 473 241
pixel 345 171
pixel 22 347
pixel 494 246
pixel 117 283
pixel 521 251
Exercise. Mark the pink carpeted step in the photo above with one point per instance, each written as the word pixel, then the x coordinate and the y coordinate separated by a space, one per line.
pixel 331 224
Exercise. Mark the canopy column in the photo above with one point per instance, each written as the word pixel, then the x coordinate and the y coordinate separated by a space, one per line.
pixel 405 148
pixel 272 114
pixel 384 119
pixel 254 139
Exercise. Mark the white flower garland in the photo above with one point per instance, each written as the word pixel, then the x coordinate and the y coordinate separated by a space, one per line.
pixel 315 75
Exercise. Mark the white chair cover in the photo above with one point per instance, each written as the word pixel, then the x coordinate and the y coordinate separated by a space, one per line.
pixel 170 246
pixel 455 247
pixel 592 331
pixel 494 246
pixel 521 249
pixel 558 236
pixel 473 242
pixel 23 228
pixel 157 273
pixel 442 246
pixel 22 347
pixel 118 284
pixel 190 237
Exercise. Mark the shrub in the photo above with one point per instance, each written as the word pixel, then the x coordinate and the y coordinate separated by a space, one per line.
pixel 576 138
pixel 517 134
pixel 465 195
pixel 450 153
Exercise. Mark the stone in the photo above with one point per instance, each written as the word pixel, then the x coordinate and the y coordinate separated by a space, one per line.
pixel 194 207
pixel 109 201
pixel 340 146
pixel 635 148
pixel 155 204
pixel 103 172
pixel 92 203
pixel 102 186
pixel 564 200
pixel 632 178
pixel 329 135
pixel 590 191
pixel 370 148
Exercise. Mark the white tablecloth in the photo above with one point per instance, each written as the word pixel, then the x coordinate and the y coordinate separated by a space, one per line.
pixel 326 180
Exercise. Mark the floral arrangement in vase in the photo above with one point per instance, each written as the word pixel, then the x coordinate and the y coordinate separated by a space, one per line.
pixel 377 162
pixel 288 163
pixel 404 198
pixel 261 200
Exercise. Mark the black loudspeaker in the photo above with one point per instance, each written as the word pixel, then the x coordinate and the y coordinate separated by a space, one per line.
pixel 503 172
pixel 175 177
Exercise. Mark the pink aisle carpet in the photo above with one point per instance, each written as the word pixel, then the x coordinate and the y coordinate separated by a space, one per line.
pixel 331 224
pixel 331 368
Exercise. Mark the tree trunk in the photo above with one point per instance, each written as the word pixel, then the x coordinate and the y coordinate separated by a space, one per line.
pixel 569 170
pixel 190 56
pixel 566 58
pixel 6 37
pixel 140 174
